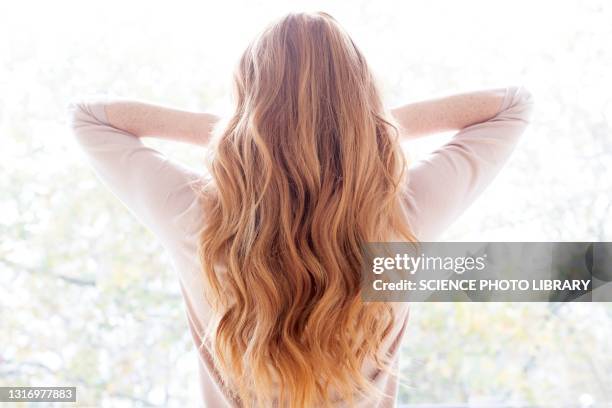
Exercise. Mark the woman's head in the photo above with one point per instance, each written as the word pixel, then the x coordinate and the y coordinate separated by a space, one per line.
pixel 307 169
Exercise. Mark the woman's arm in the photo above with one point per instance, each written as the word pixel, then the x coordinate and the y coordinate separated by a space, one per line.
pixel 448 113
pixel 146 120
pixel 159 191
pixel 443 184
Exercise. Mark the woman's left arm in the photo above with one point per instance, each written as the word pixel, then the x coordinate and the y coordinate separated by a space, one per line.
pixel 142 119
pixel 157 189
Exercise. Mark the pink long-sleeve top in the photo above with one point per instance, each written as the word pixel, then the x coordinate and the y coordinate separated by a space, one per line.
pixel 157 190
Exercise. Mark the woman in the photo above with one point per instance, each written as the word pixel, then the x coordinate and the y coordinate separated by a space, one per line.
pixel 307 168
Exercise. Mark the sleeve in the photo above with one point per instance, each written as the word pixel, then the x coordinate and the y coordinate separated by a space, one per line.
pixel 442 185
pixel 156 189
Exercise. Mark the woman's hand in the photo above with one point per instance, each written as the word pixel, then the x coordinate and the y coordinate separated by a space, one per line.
pixel 146 120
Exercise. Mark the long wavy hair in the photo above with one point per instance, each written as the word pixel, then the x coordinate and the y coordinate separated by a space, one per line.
pixel 306 170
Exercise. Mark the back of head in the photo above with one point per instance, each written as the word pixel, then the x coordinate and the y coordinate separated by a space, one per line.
pixel 307 169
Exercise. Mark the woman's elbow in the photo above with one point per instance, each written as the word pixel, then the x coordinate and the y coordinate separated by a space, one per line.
pixel 78 114
pixel 524 104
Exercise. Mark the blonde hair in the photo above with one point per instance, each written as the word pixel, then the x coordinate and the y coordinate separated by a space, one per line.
pixel 306 170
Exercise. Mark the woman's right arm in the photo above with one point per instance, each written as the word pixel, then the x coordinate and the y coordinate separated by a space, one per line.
pixel 443 184
pixel 448 113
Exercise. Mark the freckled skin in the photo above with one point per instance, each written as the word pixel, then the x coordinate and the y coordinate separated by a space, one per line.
pixel 144 119
pixel 453 112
